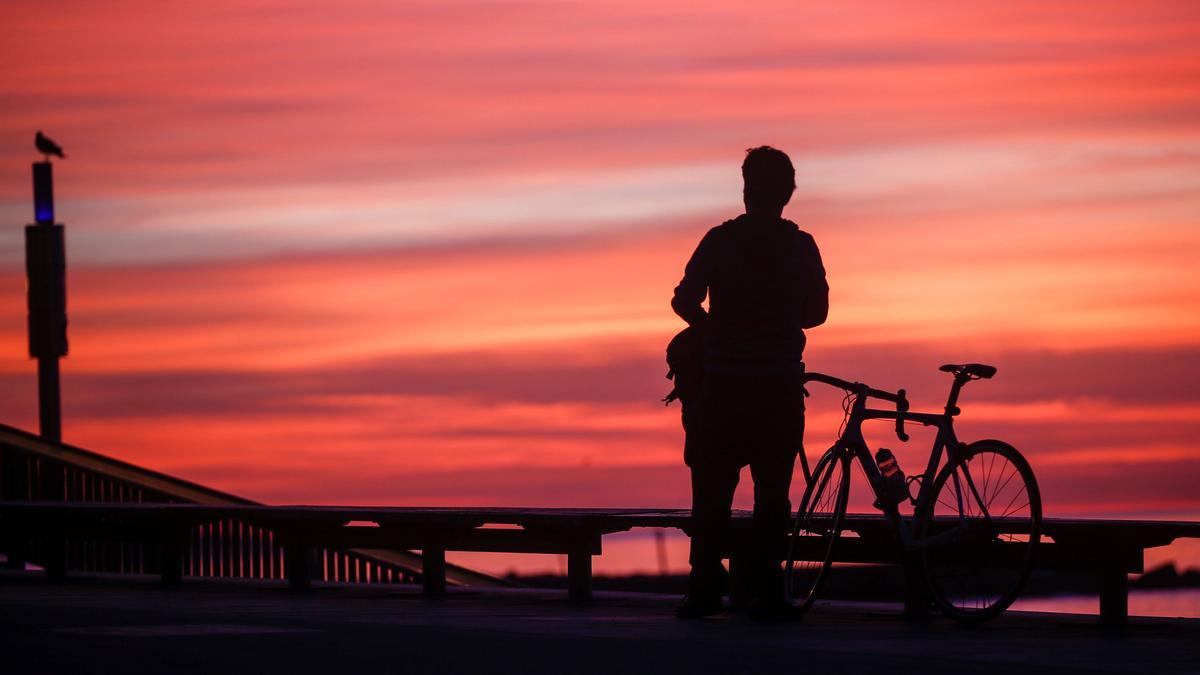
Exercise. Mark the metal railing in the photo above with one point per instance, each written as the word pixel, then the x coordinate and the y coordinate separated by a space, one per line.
pixel 32 469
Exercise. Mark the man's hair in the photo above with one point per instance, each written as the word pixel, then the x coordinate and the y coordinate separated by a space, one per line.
pixel 769 175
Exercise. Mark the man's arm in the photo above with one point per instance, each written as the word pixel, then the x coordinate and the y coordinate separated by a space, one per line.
pixel 692 289
pixel 815 298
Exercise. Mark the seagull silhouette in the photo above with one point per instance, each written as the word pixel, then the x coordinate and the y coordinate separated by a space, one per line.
pixel 47 147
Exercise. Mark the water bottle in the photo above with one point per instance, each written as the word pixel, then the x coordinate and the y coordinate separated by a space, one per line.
pixel 894 486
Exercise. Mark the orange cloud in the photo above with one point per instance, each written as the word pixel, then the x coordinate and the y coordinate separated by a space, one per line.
pixel 423 255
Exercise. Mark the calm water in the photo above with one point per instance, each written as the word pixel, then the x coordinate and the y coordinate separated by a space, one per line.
pixel 637 552
pixel 1183 602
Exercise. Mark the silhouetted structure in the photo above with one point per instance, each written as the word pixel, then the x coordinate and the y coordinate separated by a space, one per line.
pixel 46 270
pixel 209 544
pixel 121 518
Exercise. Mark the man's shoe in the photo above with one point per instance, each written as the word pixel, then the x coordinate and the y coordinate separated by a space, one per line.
pixel 698 607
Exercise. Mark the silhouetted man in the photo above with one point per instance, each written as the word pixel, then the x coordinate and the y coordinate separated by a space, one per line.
pixel 765 284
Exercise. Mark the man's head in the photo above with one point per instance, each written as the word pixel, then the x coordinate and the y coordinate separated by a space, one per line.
pixel 769 178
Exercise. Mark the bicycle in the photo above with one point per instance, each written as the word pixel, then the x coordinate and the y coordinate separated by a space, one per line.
pixel 976 522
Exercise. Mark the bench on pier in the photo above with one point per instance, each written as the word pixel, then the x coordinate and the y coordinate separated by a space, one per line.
pixel 1111 548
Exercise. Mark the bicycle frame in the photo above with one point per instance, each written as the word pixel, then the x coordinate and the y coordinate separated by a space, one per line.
pixel 946 442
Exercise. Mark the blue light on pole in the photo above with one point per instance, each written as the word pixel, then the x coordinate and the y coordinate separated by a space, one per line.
pixel 43 192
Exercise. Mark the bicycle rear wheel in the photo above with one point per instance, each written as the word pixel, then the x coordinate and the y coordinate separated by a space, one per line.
pixel 989 496
pixel 816 529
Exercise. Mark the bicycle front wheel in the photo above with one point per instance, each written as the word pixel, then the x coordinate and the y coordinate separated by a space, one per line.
pixel 817 527
pixel 982 528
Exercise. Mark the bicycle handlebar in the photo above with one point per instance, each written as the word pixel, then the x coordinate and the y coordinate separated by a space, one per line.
pixel 900 398
pixel 901 406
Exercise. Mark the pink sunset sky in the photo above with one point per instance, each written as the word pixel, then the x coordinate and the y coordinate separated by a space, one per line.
pixel 421 253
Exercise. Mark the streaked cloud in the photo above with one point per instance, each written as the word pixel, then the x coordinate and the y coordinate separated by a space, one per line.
pixel 421 253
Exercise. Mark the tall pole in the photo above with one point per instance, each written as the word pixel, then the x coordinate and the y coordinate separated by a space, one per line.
pixel 49 400
pixel 46 266
pixel 45 269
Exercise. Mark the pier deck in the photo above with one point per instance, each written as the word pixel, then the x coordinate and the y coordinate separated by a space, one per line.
pixel 135 625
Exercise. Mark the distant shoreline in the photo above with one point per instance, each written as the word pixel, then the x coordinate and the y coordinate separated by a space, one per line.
pixel 878 582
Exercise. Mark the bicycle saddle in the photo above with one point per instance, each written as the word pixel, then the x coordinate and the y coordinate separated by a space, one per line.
pixel 979 370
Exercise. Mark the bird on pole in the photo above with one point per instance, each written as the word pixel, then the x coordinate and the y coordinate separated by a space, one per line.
pixel 47 147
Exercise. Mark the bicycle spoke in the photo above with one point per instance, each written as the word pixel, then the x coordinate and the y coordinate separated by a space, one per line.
pixel 1017 496
pixel 1010 501
pixel 988 474
pixel 974 492
pixel 817 528
pixel 976 575
pixel 1011 476
pixel 1017 509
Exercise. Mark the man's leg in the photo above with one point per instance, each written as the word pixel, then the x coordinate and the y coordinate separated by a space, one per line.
pixel 713 485
pixel 712 459
pixel 772 511
pixel 772 465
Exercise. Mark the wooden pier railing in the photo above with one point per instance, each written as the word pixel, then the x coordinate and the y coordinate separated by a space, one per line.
pixel 1110 549
pixel 223 545
pixel 68 509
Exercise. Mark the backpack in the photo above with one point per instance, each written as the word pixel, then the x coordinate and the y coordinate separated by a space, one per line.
pixel 685 367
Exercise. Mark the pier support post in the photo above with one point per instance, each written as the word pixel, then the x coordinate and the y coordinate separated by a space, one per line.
pixel 433 570
pixel 52 487
pixel 583 544
pixel 15 486
pixel 1114 596
pixel 54 553
pixel 299 561
pixel 916 594
pixel 170 559
pixel 579 574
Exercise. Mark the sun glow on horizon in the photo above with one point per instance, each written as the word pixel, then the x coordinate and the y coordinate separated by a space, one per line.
pixel 422 254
